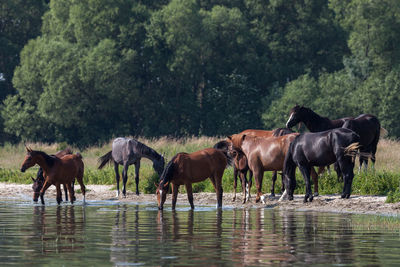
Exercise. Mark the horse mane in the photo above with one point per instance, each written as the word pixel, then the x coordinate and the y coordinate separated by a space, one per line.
pixel 145 150
pixel 281 131
pixel 49 159
pixel 168 171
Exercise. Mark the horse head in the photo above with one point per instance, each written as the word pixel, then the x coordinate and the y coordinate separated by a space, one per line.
pixel 30 159
pixel 161 193
pixel 296 116
pixel 37 184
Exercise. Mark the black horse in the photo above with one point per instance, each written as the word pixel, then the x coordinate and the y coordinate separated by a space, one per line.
pixel 367 126
pixel 313 121
pixel 321 149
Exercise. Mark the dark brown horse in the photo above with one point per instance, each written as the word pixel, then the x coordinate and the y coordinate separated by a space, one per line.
pixel 185 169
pixel 367 126
pixel 264 154
pixel 39 181
pixel 57 171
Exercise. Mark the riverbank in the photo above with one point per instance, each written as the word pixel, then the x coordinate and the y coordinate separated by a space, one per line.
pixel 326 203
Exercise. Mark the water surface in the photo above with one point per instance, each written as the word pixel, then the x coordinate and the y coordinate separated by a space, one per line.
pixel 128 234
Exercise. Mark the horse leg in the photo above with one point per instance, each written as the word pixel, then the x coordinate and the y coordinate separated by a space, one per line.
pixel 305 171
pixel 116 169
pixel 65 192
pixel 235 172
pixel 249 184
pixel 274 176
pixel 314 176
pixel 59 198
pixel 71 192
pixel 175 190
pixel 258 177
pixel 83 188
pixel 245 185
pixel 124 178
pixel 44 188
pixel 137 167
pixel 189 192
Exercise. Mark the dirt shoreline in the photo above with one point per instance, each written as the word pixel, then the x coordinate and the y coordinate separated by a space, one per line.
pixel 326 203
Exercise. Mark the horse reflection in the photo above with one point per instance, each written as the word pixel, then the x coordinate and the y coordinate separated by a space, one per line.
pixel 125 241
pixel 64 233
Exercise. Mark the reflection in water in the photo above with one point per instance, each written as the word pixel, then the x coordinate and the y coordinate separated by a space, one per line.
pixel 126 234
pixel 56 233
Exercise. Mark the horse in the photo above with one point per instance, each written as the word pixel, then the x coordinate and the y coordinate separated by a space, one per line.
pixel 321 149
pixel 188 168
pixel 57 171
pixel 240 162
pixel 39 181
pixel 126 151
pixel 265 154
pixel 240 167
pixel 367 126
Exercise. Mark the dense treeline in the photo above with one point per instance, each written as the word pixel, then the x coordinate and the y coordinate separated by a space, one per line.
pixel 90 70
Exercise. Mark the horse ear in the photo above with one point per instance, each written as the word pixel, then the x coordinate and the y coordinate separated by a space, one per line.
pixel 243 137
pixel 229 137
pixel 33 179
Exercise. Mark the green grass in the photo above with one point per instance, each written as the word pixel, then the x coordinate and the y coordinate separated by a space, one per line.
pixel 384 181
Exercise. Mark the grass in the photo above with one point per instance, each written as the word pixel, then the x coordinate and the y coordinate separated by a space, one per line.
pixel 385 180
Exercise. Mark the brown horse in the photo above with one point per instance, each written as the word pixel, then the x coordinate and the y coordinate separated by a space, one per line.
pixel 57 171
pixel 39 181
pixel 240 159
pixel 185 169
pixel 265 154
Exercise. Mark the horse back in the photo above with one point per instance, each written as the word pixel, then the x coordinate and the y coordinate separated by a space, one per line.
pixel 68 167
pixel 200 165
pixel 367 126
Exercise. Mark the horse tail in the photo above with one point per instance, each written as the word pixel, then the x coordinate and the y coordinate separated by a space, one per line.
pixel 383 132
pixel 103 160
pixel 289 170
pixel 352 150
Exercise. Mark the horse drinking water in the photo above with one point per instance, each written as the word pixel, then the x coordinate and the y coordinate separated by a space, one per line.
pixel 126 151
pixel 185 169
pixel 57 171
pixel 39 181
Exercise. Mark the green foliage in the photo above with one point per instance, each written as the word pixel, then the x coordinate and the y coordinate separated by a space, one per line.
pixel 393 196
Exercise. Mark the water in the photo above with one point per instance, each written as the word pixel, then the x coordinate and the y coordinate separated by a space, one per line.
pixel 108 233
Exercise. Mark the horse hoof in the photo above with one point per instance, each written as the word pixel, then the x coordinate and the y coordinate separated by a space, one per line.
pixel 311 198
pixel 234 199
pixel 316 194
pixel 290 198
pixel 343 196
pixel 348 196
pixel 272 196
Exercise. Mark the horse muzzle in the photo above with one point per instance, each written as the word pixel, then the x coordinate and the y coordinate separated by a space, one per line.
pixel 23 169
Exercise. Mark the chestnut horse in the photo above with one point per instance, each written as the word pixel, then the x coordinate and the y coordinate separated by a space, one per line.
pixel 240 167
pixel 265 154
pixel 185 169
pixel 57 171
pixel 240 162
pixel 39 181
